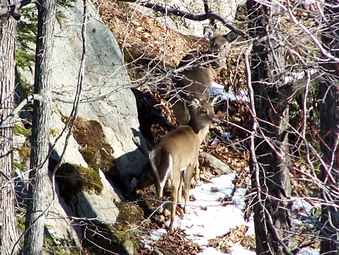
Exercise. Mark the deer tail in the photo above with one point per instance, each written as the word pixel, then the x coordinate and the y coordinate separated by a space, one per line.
pixel 161 162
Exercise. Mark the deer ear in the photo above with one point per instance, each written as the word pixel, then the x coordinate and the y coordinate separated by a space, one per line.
pixel 231 36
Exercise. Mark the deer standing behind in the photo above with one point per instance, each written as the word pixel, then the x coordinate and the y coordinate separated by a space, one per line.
pixel 177 153
pixel 194 79
pixel 195 76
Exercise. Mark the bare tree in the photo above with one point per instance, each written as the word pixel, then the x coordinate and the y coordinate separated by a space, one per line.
pixel 38 195
pixel 329 119
pixel 269 161
pixel 287 48
pixel 8 227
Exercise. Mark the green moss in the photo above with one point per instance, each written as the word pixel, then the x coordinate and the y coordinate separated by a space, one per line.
pixel 18 165
pixel 53 132
pixel 20 130
pixel 73 178
pixel 27 31
pixel 130 213
pixel 66 3
pixel 24 153
pixel 24 59
pixel 61 247
pixel 91 180
pixel 21 222
pixel 123 237
pixel 91 139
pixel 91 157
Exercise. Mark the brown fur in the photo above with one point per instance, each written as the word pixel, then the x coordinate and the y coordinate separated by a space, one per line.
pixel 177 150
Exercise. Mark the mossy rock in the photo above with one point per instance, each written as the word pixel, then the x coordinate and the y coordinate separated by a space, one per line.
pixel 124 236
pixel 59 247
pixel 130 213
pixel 118 239
pixel 92 146
pixel 73 178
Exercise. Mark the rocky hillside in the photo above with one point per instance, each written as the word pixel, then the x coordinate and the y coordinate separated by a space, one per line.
pixel 104 188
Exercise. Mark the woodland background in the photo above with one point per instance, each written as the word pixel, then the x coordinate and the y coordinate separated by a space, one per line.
pixel 83 98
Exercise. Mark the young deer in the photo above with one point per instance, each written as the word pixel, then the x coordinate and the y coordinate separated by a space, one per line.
pixel 178 152
pixel 198 72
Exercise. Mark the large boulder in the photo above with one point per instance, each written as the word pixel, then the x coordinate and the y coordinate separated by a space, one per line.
pixel 106 98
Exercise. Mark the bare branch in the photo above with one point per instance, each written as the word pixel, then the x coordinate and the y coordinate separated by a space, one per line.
pixel 22 104
pixel 197 17
pixel 12 10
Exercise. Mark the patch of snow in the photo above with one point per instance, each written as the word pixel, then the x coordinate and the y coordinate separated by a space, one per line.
pixel 299 203
pixel 237 249
pixel 309 2
pixel 250 225
pixel 210 193
pixel 304 211
pixel 207 217
pixel 154 236
pixel 218 90
pixel 306 251
pixel 238 198
pixel 227 135
pixel 204 224
pixel 211 251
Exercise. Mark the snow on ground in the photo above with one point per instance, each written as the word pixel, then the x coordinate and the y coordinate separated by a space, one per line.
pixel 210 217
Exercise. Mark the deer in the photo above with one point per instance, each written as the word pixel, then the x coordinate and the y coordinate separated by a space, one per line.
pixel 177 154
pixel 196 73
pixel 195 77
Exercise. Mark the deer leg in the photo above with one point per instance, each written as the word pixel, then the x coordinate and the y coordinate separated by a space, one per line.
pixel 197 173
pixel 161 189
pixel 180 189
pixel 175 188
pixel 187 183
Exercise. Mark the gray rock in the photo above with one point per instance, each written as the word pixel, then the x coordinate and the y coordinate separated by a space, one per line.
pixel 106 96
pixel 99 207
pixel 217 164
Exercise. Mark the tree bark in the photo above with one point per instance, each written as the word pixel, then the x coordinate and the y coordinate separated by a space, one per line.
pixel 38 194
pixel 269 161
pixel 8 231
pixel 329 119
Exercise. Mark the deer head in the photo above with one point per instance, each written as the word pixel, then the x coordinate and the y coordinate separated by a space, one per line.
pixel 178 151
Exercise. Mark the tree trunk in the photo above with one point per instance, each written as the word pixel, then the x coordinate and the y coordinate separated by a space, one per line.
pixel 8 231
pixel 269 156
pixel 38 194
pixel 329 119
